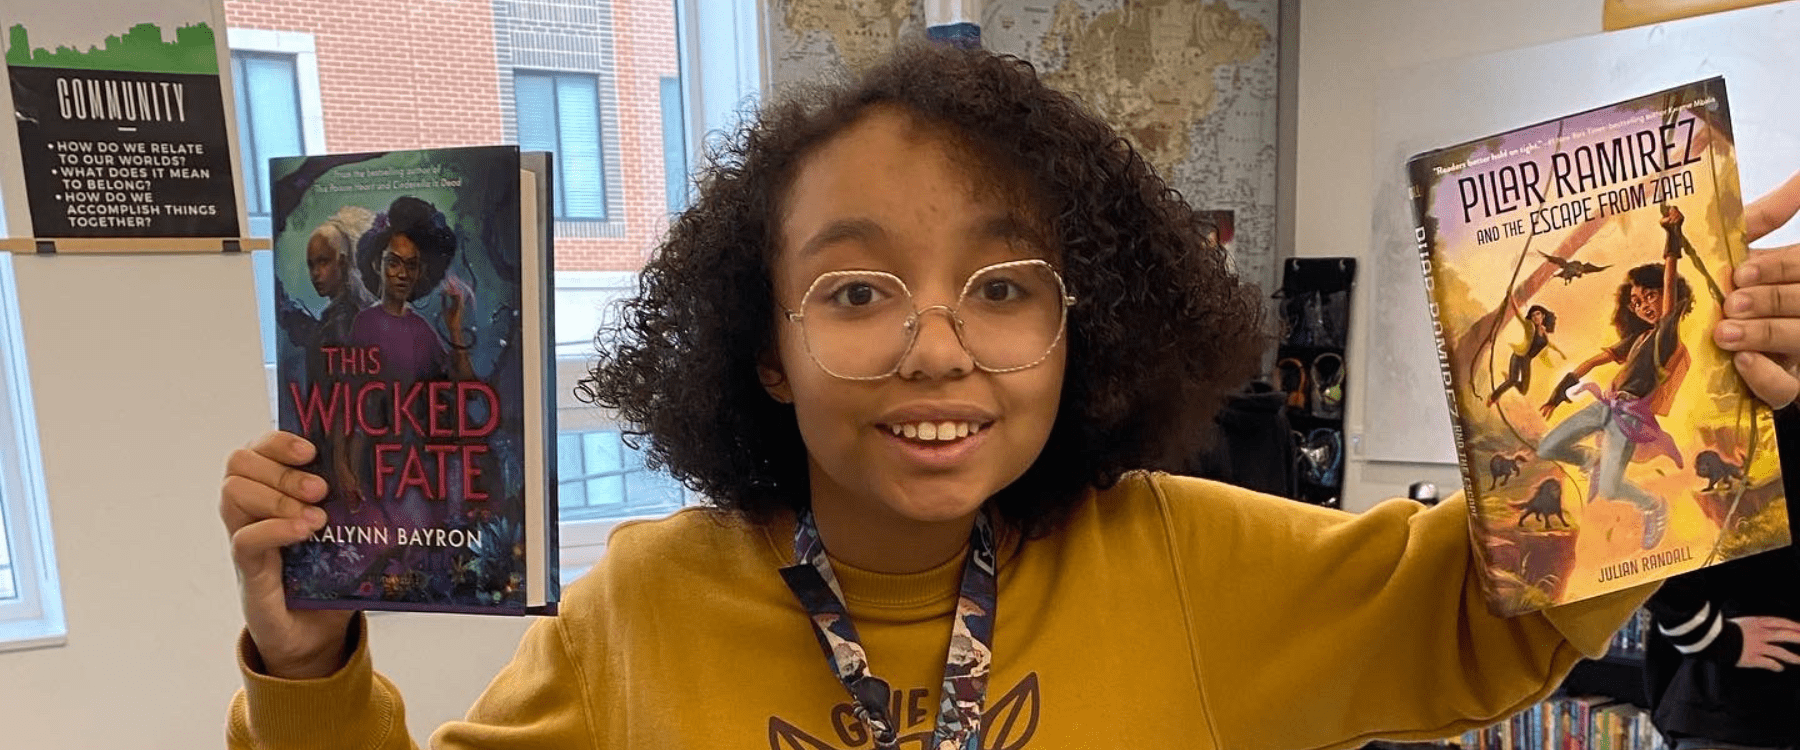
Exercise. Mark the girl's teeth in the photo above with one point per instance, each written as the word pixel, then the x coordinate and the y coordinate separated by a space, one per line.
pixel 935 431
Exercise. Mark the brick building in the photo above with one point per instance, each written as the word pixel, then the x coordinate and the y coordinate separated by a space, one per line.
pixel 594 80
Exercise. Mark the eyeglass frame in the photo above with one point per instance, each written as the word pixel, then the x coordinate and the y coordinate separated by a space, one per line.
pixel 956 323
pixel 390 261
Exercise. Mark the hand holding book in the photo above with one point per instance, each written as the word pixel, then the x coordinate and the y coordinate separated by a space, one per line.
pixel 266 502
pixel 1763 316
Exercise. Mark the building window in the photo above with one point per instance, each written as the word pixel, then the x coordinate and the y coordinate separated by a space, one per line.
pixel 30 600
pixel 268 122
pixel 599 477
pixel 560 113
pixel 674 142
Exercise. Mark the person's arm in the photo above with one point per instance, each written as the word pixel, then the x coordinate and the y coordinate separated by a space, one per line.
pixel 1671 223
pixel 1560 394
pixel 352 707
pixel 538 700
pixel 455 300
pixel 1685 616
pixel 1318 629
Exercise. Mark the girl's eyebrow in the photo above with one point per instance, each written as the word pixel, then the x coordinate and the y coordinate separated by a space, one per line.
pixel 840 230
pixel 1006 226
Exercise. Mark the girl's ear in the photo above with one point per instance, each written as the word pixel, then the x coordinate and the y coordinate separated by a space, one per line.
pixel 774 380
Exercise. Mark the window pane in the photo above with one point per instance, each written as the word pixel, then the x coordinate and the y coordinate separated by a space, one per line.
pixel 606 492
pixel 648 491
pixel 571 495
pixel 534 104
pixel 600 451
pixel 535 100
pixel 271 92
pixel 578 131
pixel 262 269
pixel 8 588
pixel 568 457
pixel 674 140
pixel 253 187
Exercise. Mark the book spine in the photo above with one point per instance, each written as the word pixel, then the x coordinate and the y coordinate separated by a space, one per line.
pixel 1423 242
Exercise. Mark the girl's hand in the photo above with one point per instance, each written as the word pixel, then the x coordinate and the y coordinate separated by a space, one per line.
pixel 267 503
pixel 1763 315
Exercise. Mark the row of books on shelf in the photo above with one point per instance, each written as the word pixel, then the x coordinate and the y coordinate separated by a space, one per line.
pixel 1629 641
pixel 1589 723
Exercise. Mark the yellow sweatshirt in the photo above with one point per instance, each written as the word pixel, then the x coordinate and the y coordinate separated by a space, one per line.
pixel 1168 613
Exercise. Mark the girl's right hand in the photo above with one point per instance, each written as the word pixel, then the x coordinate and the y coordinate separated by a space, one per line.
pixel 267 503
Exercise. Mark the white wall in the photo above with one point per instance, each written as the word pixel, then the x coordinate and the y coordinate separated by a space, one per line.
pixel 147 372
pixel 1345 47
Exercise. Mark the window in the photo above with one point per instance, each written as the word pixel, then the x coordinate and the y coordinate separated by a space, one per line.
pixel 30 601
pixel 268 122
pixel 275 82
pixel 674 135
pixel 600 477
pixel 560 112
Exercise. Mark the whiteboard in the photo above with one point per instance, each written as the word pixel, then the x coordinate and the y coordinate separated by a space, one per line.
pixel 1449 102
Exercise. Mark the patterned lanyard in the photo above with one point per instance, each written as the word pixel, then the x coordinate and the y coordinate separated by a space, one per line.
pixel 971 639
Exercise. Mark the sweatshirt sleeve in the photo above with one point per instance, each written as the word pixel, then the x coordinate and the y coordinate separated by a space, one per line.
pixel 536 701
pixel 352 709
pixel 1317 629
pixel 1685 617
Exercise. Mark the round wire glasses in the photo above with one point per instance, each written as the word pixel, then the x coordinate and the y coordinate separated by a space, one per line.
pixel 860 325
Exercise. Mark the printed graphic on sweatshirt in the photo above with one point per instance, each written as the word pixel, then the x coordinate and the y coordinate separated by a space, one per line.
pixel 1008 723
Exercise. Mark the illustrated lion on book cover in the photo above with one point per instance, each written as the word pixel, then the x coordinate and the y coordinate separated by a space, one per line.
pixel 1576 269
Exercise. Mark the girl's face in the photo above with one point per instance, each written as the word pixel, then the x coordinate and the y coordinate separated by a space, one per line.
pixel 888 195
pixel 400 269
pixel 1646 303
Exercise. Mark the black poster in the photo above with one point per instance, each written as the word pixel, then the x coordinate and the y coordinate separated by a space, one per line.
pixel 124 154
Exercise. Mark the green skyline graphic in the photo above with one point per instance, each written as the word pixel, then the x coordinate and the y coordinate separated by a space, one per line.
pixel 140 49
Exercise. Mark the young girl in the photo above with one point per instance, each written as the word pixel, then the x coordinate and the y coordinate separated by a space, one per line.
pixel 1539 323
pixel 912 342
pixel 1652 362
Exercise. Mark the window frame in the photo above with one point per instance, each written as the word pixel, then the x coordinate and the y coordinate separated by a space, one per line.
pixel 600 138
pixel 300 46
pixel 35 618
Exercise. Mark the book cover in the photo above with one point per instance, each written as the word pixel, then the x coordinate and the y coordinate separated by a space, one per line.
pixel 1575 270
pixel 410 328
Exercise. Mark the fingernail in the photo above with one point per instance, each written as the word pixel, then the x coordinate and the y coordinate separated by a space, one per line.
pixel 1729 331
pixel 314 516
pixel 1747 275
pixel 312 486
pixel 1739 302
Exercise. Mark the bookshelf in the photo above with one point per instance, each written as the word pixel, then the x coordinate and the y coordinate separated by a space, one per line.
pixel 1602 704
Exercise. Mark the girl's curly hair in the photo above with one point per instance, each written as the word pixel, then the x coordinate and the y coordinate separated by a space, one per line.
pixel 1648 276
pixel 1162 333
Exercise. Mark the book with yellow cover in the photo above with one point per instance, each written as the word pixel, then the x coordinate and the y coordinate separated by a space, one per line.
pixel 1575 270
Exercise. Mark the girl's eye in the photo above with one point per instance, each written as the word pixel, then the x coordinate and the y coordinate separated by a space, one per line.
pixel 1001 290
pixel 856 294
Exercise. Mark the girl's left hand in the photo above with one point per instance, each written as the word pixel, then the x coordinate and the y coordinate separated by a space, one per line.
pixel 1763 315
